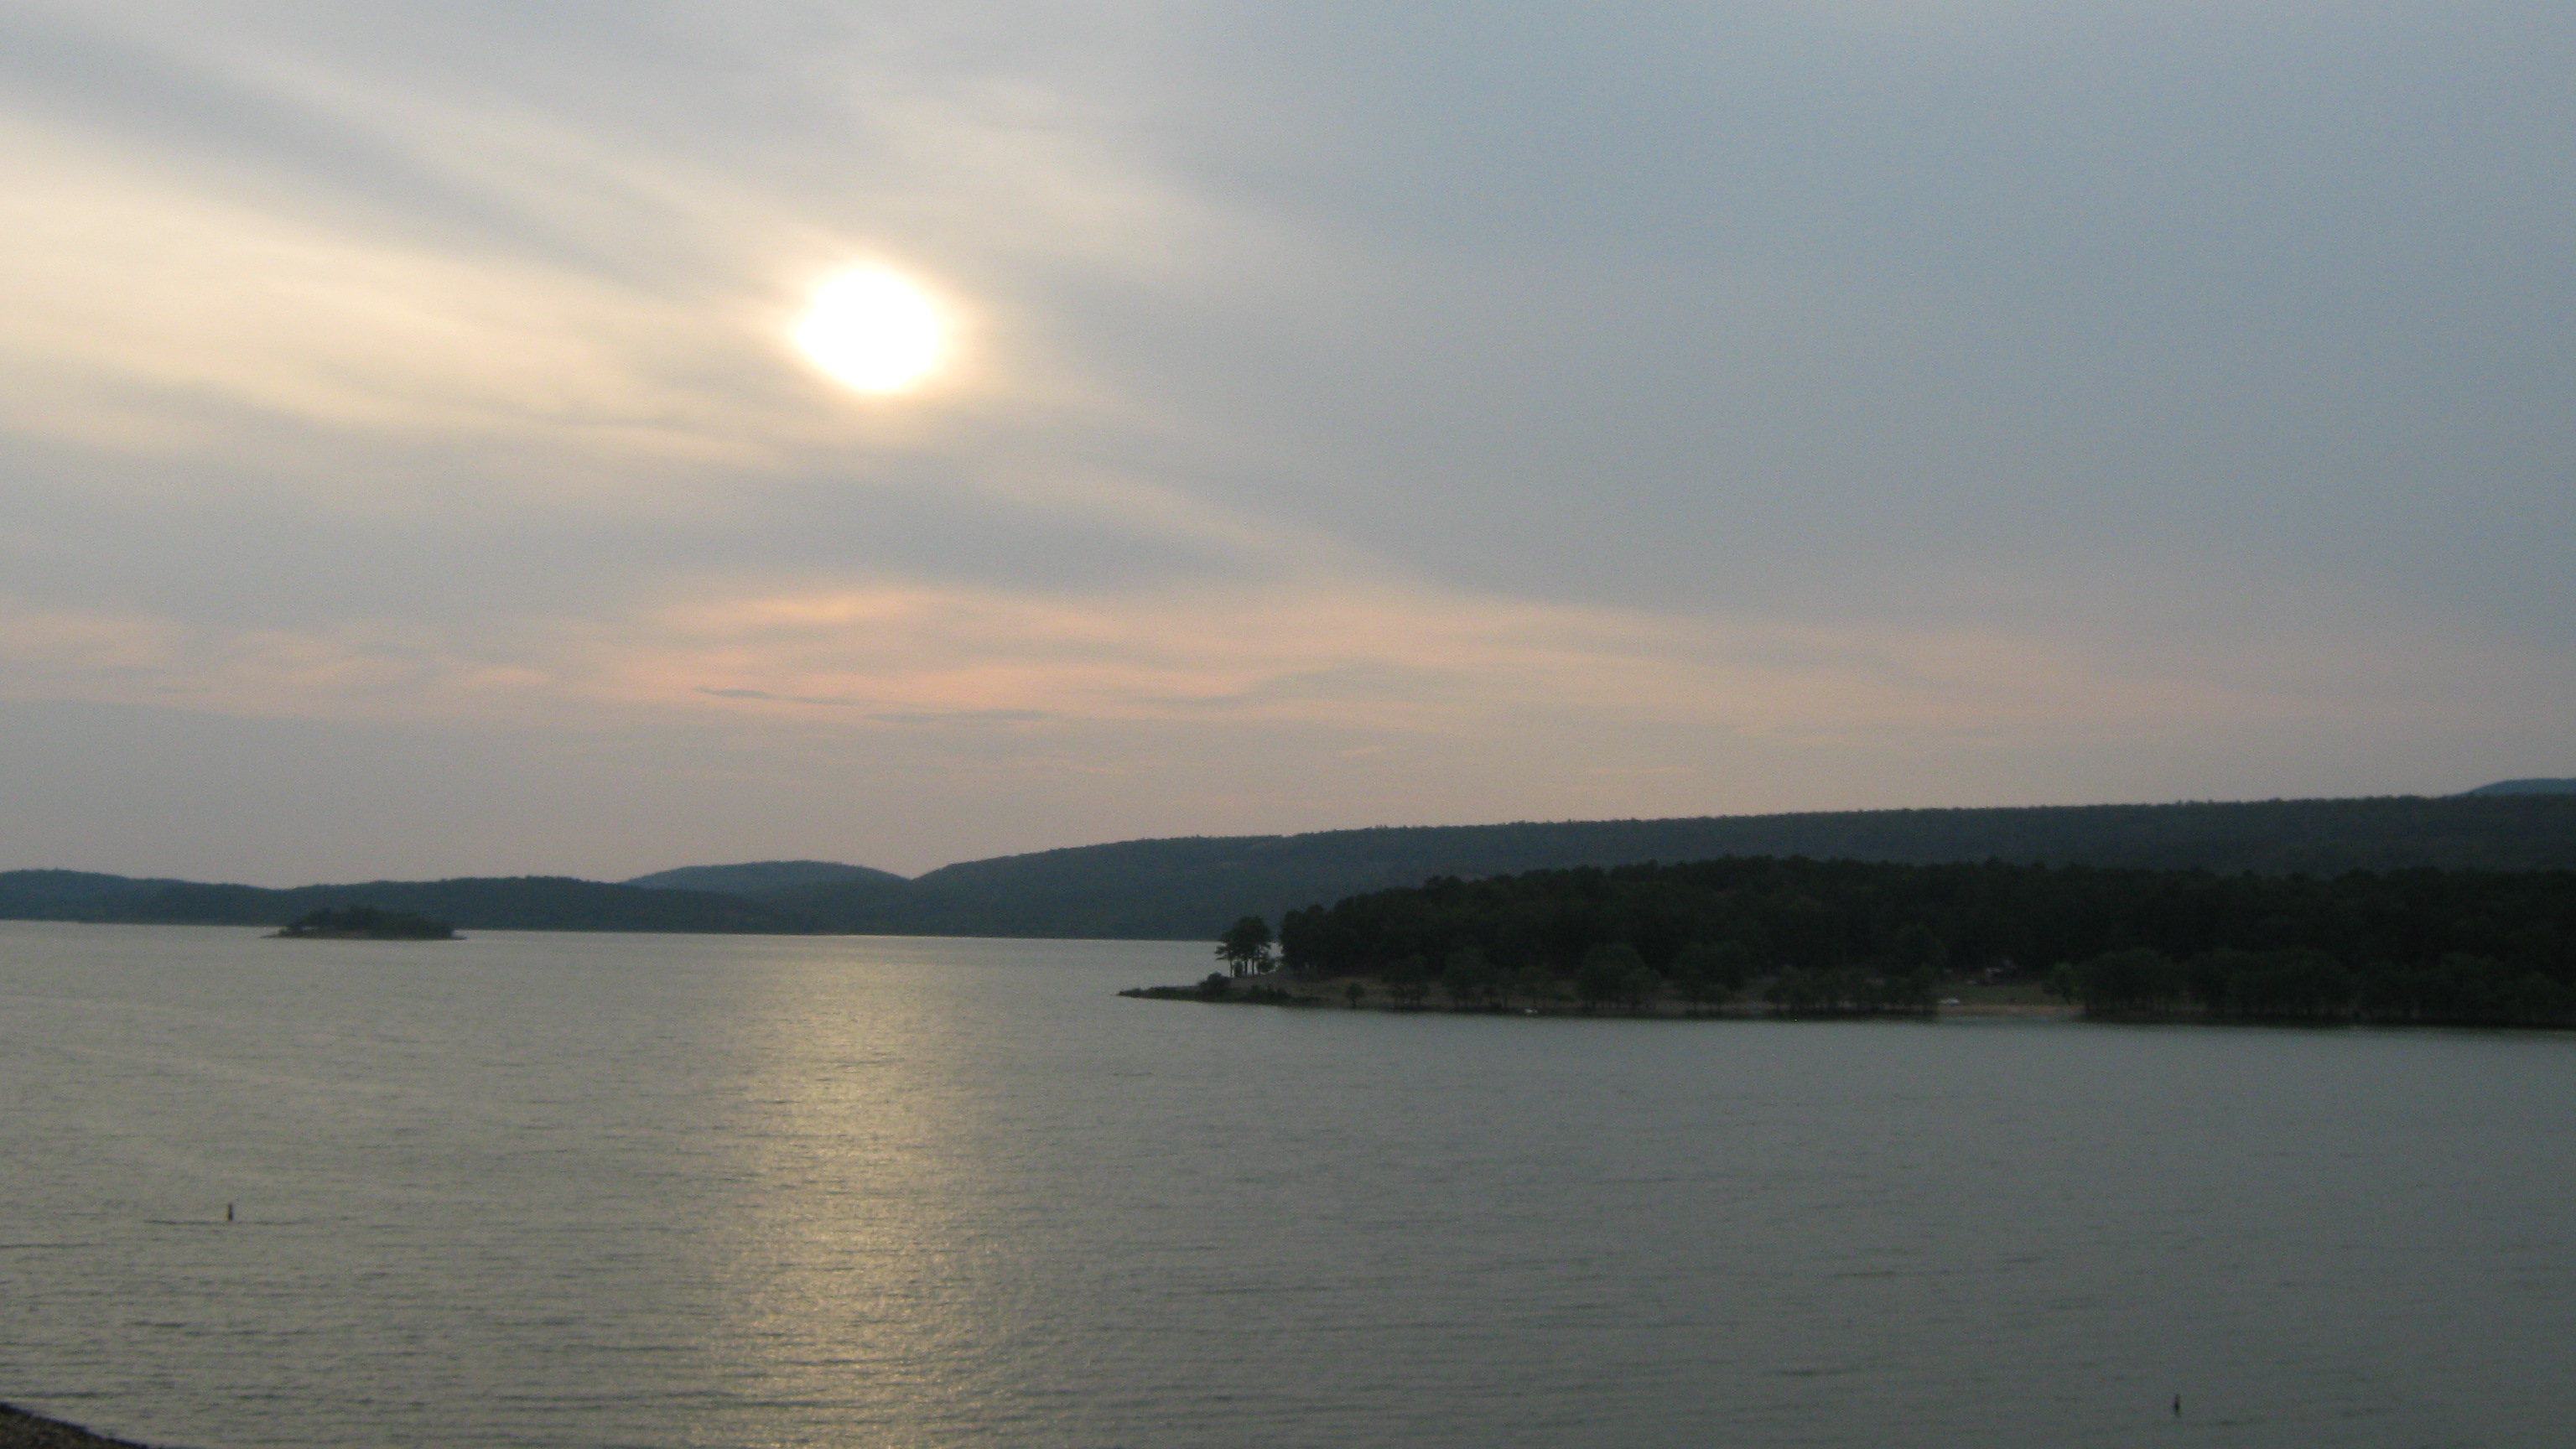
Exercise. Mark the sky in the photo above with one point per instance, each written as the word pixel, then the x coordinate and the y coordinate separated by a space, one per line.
pixel 1347 415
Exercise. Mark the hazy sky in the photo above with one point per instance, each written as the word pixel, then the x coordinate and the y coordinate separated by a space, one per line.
pixel 1354 414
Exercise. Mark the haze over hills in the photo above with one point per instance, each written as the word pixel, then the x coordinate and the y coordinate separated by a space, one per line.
pixel 1193 887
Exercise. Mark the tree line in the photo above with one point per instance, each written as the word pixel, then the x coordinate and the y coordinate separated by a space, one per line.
pixel 2462 988
pixel 1842 935
pixel 368 921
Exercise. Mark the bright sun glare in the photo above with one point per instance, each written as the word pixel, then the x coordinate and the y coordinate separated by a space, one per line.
pixel 874 331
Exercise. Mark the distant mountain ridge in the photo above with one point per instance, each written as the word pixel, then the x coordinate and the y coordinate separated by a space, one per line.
pixel 2527 787
pixel 520 903
pixel 757 876
pixel 1193 887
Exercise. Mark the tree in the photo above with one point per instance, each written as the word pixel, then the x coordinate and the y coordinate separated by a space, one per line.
pixel 1918 948
pixel 1798 991
pixel 2139 979
pixel 1692 984
pixel 1864 992
pixel 1703 973
pixel 1641 988
pixel 1916 990
pixel 1408 981
pixel 1536 985
pixel 1245 946
pixel 1355 993
pixel 2277 985
pixel 2063 981
pixel 1734 965
pixel 1469 978
pixel 1848 988
pixel 1608 973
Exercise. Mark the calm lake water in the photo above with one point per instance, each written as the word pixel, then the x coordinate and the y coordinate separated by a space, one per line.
pixel 583 1191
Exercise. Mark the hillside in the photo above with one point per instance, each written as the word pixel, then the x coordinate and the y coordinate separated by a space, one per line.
pixel 1191 888
pixel 758 876
pixel 2527 787
pixel 526 903
pixel 69 895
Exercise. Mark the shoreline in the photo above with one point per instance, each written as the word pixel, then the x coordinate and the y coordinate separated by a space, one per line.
pixel 1274 989
pixel 1327 996
pixel 21 1429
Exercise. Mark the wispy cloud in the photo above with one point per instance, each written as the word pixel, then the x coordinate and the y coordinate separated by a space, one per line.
pixel 1658 409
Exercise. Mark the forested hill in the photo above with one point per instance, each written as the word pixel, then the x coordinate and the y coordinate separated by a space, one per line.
pixel 2463 946
pixel 764 875
pixel 1193 888
pixel 531 903
pixel 2527 787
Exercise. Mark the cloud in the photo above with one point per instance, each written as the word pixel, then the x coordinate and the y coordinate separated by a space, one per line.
pixel 250 251
pixel 963 717
pixel 1472 415
pixel 81 643
pixel 1346 655
pixel 896 717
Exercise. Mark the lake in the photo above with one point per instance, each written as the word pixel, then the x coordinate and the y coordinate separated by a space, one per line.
pixel 538 1190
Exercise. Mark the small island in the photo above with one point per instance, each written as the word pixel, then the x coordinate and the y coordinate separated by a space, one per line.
pixel 364 923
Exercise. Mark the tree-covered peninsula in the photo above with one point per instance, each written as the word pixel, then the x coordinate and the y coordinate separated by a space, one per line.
pixel 1820 936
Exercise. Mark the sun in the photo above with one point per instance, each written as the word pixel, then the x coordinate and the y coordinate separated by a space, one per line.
pixel 874 331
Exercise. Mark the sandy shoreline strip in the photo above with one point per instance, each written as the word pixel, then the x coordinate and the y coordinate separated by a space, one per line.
pixel 22 1430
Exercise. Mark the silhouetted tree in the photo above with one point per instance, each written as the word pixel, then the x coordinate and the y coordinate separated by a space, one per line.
pixel 1245 946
